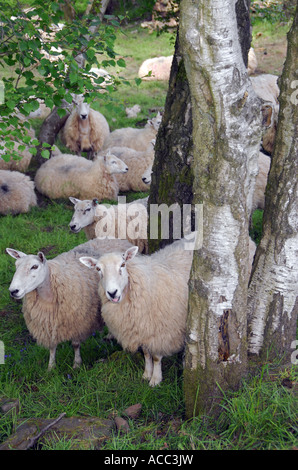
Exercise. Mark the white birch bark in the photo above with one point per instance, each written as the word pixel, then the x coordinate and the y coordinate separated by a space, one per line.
pixel 226 134
pixel 273 290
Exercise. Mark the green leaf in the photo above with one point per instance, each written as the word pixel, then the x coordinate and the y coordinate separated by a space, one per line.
pixel 73 78
pixel 45 154
pixel 121 63
pixel 61 112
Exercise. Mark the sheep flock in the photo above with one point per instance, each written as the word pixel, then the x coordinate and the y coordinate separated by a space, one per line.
pixel 110 279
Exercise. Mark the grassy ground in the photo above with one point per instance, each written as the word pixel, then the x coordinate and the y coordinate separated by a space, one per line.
pixel 261 415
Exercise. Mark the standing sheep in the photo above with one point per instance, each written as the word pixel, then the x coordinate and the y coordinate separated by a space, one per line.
pixel 94 218
pixel 69 175
pixel 61 302
pixel 85 129
pixel 138 139
pixel 144 301
pixel 137 162
pixel 16 192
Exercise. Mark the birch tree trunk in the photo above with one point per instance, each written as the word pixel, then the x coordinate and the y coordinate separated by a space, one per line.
pixel 226 136
pixel 273 290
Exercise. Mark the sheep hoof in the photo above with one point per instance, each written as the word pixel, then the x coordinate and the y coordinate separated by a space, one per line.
pixel 76 365
pixel 154 381
pixel 146 376
pixel 51 367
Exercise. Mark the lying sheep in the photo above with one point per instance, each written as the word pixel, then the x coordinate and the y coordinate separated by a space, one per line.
pixel 146 176
pixel 98 220
pixel 69 175
pixel 85 129
pixel 144 301
pixel 156 68
pixel 60 299
pixel 137 162
pixel 138 139
pixel 20 164
pixel 17 193
pixel 264 163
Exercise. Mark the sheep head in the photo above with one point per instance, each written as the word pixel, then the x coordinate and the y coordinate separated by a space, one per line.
pixel 112 271
pixel 31 272
pixel 84 213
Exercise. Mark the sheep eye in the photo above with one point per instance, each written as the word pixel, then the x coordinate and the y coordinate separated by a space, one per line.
pixel 35 266
pixel 88 209
pixel 98 268
pixel 122 265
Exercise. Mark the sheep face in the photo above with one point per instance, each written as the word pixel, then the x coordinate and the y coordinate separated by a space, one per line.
pixel 146 177
pixel 114 165
pixel 84 213
pixel 82 108
pixel 31 271
pixel 112 272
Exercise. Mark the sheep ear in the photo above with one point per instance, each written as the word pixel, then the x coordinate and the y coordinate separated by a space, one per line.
pixel 41 256
pixel 15 253
pixel 88 261
pixel 130 253
pixel 94 201
pixel 74 200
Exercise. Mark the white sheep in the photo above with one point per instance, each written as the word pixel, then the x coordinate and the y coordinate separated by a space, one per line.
pixel 69 175
pixel 137 162
pixel 144 301
pixel 98 220
pixel 252 61
pixel 138 139
pixel 85 129
pixel 146 176
pixel 20 164
pixel 60 299
pixel 17 193
pixel 156 68
pixel 264 163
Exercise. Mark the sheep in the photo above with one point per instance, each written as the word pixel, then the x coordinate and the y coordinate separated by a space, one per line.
pixel 159 67
pixel 60 299
pixel 138 139
pixel 252 61
pixel 85 129
pixel 98 220
pixel 20 164
pixel 146 176
pixel 266 87
pixel 17 193
pixel 69 175
pixel 137 162
pixel 264 163
pixel 144 301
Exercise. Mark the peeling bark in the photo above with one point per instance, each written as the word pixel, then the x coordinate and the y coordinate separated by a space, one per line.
pixel 273 291
pixel 226 135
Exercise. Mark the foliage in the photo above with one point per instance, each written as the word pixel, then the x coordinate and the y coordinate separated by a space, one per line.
pixel 274 11
pixel 41 57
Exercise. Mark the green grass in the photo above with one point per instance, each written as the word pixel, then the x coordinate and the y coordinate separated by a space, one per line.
pixel 261 415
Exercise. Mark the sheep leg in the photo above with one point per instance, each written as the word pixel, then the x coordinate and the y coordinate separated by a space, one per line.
pixel 157 373
pixel 77 359
pixel 52 360
pixel 148 365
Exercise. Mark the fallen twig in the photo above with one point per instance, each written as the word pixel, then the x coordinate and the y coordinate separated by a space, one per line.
pixel 33 440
